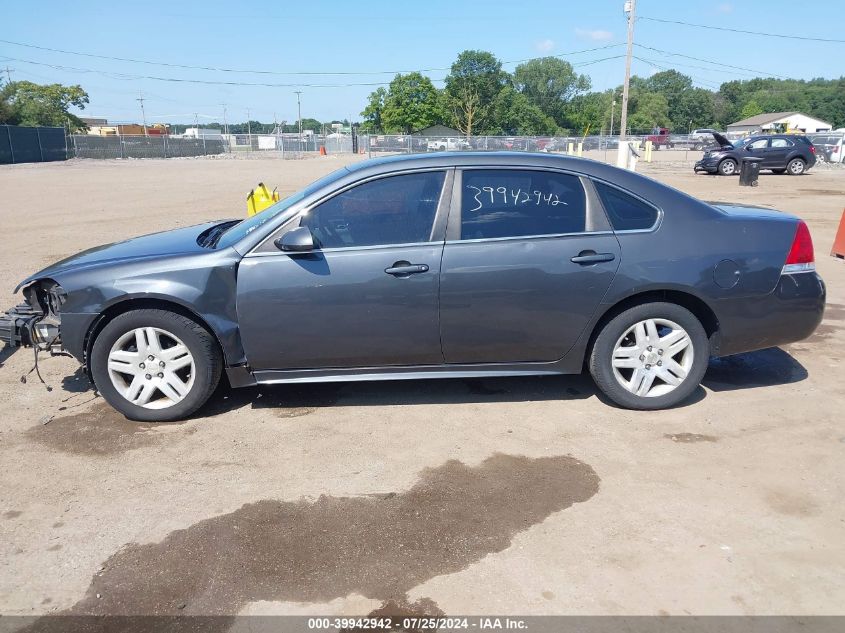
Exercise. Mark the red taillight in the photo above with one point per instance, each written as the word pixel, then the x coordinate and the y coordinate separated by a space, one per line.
pixel 801 257
pixel 812 149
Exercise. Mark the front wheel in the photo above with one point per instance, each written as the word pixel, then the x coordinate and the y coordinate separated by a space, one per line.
pixel 651 356
pixel 727 167
pixel 155 365
pixel 796 167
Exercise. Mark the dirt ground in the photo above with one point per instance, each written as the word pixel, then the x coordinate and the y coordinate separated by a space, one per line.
pixel 506 496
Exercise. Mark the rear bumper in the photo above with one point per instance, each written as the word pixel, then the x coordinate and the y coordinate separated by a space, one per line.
pixel 791 313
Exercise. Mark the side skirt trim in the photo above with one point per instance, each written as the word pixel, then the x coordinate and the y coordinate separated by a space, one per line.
pixel 356 374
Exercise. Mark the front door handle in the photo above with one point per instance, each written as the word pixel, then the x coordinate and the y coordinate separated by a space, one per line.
pixel 404 269
pixel 591 257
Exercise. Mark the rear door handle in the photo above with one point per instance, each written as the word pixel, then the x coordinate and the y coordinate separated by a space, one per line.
pixel 404 268
pixel 591 257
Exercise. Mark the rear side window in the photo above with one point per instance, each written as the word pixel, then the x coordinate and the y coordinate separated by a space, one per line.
pixel 519 203
pixel 781 142
pixel 625 212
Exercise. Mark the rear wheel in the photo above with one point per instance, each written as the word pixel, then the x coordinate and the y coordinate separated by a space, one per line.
pixel 796 167
pixel 155 365
pixel 651 356
pixel 727 167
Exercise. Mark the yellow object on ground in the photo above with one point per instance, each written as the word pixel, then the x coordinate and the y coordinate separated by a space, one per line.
pixel 259 199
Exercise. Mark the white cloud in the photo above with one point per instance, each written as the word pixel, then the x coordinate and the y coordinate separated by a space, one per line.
pixel 725 7
pixel 598 35
pixel 545 46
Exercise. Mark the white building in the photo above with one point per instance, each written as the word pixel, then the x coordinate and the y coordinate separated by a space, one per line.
pixel 774 122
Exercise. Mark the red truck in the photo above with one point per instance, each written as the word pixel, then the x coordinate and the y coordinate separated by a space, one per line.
pixel 661 139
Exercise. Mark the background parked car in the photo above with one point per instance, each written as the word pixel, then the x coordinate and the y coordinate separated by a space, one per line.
pixel 444 144
pixel 829 147
pixel 781 153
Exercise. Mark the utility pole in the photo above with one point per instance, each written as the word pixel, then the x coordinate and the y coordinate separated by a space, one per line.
pixel 612 108
pixel 299 116
pixel 9 73
pixel 143 114
pixel 248 126
pixel 225 124
pixel 630 6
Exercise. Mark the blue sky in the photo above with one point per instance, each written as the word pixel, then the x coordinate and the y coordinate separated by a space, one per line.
pixel 377 37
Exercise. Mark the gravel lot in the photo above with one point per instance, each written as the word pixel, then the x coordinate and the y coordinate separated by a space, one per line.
pixel 507 496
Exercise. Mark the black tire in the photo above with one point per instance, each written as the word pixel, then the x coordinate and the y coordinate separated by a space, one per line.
pixel 601 356
pixel 208 362
pixel 796 167
pixel 728 167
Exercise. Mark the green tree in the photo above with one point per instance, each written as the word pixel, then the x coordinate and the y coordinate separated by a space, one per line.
pixel 750 109
pixel 5 108
pixel 549 83
pixel 648 110
pixel 515 114
pixel 372 113
pixel 694 108
pixel 34 104
pixel 411 103
pixel 473 82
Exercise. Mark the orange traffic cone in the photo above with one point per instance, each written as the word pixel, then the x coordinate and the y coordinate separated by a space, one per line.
pixel 322 150
pixel 838 249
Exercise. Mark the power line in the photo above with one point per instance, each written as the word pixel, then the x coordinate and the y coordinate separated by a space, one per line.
pixel 743 31
pixel 276 72
pixel 707 61
pixel 131 77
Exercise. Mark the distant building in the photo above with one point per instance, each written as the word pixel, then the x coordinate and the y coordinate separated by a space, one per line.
pixel 437 130
pixel 775 122
pixel 203 132
pixel 93 122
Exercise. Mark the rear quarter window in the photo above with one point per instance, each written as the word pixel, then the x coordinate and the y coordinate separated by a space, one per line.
pixel 625 212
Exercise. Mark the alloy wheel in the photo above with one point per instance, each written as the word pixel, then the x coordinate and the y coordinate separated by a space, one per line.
pixel 653 357
pixel 151 368
pixel 796 167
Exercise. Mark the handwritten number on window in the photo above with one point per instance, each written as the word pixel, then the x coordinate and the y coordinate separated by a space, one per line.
pixel 513 197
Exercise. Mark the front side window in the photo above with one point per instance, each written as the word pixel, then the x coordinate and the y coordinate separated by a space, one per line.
pixel 625 212
pixel 392 210
pixel 516 203
pixel 759 144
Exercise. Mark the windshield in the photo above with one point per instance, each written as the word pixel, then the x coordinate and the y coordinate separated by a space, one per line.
pixel 740 143
pixel 240 230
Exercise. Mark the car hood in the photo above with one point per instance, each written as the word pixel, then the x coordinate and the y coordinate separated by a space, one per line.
pixel 723 142
pixel 174 242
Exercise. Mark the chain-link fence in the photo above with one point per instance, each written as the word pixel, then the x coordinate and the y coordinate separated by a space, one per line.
pixel 31 144
pixel 94 146
pixel 665 148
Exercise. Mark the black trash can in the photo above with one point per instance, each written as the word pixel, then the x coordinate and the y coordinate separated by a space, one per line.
pixel 749 171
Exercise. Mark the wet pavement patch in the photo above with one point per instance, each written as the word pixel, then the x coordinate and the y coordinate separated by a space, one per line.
pixel 98 430
pixel 690 438
pixel 380 547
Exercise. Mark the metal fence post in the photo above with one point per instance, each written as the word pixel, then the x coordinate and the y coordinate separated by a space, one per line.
pixel 122 148
pixel 11 147
pixel 40 149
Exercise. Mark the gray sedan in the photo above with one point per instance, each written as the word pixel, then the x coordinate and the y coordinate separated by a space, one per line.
pixel 433 266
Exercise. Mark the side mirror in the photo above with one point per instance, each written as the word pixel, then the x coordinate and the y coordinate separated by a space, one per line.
pixel 298 240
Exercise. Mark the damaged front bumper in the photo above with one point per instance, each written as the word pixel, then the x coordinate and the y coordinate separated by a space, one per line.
pixel 16 326
pixel 24 326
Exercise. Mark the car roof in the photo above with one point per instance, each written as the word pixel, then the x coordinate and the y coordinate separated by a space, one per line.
pixel 495 159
